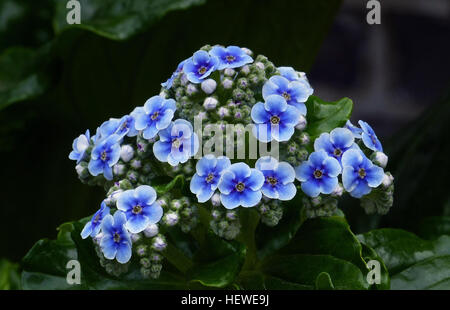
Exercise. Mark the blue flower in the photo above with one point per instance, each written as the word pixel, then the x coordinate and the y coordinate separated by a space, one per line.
pixel 335 143
pixel 275 119
pixel 240 186
pixel 209 170
pixel 107 129
pixel 318 174
pixel 279 178
pixel 230 57
pixel 177 143
pixel 156 115
pixel 140 208
pixel 356 131
pixel 126 127
pixel 115 242
pixel 369 137
pixel 80 145
pixel 168 84
pixel 289 73
pixel 200 66
pixel 92 228
pixel 105 154
pixel 296 92
pixel 359 174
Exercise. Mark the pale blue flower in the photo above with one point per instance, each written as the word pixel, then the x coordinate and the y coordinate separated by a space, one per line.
pixel 115 241
pixel 230 57
pixel 92 228
pixel 369 137
pixel 200 66
pixel 80 145
pixel 278 178
pixel 335 143
pixel 104 156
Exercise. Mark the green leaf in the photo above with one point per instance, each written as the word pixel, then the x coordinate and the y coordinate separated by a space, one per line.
pixel 177 182
pixel 323 282
pixel 118 19
pixel 409 258
pixel 9 275
pixel 369 254
pixel 218 262
pixel 325 116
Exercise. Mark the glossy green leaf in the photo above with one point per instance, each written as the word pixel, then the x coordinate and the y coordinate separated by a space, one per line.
pixel 323 282
pixel 325 116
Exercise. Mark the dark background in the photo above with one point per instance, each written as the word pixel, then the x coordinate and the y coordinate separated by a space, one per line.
pixel 397 73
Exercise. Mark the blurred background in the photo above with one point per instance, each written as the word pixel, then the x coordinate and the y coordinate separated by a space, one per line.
pixel 56 80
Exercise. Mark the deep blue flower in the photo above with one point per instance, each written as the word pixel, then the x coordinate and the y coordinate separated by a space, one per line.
pixel 278 178
pixel 318 174
pixel 115 242
pixel 140 208
pixel 240 185
pixel 105 154
pixel 92 228
pixel 80 145
pixel 359 174
pixel 296 92
pixel 168 84
pixel 335 143
pixel 205 181
pixel 200 66
pixel 356 131
pixel 156 115
pixel 177 143
pixel 369 137
pixel 230 57
pixel 275 119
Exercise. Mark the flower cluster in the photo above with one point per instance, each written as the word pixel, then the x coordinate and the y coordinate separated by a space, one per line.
pixel 139 157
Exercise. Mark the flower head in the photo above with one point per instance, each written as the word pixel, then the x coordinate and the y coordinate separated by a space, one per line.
pixel 140 208
pixel 230 57
pixel 206 180
pixel 156 114
pixel 240 185
pixel 115 242
pixel 177 143
pixel 278 178
pixel 275 119
pixel 369 137
pixel 296 92
pixel 318 174
pixel 335 143
pixel 80 145
pixel 105 154
pixel 200 66
pixel 359 174
pixel 356 131
pixel 92 228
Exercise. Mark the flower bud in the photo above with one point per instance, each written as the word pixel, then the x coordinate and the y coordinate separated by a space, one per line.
pixel 171 218
pixel 191 89
pixel 210 103
pixel 135 237
pixel 338 191
pixel 145 262
pixel 82 170
pixel 151 231
pixel 119 169
pixel 159 244
pixel 209 86
pixel 259 65
pixel 245 70
pixel 215 214
pixel 176 204
pixel 301 124
pixel 132 176
pixel 380 159
pixel 215 200
pixel 242 83
pixel 304 138
pixel 136 163
pixel 388 179
pixel 231 215
pixel 141 250
pixel 247 51
pixel 229 72
pixel 223 112
pixel 227 83
pixel 183 79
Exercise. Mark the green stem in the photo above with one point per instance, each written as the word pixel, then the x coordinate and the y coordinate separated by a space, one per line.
pixel 249 221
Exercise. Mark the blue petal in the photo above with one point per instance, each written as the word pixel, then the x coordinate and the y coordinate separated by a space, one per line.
pixel 262 132
pixel 154 212
pixel 304 172
pixel 123 253
pixel 259 113
pixel 349 178
pixel 204 194
pixel 301 107
pixel 108 247
pixel 200 57
pixel 126 200
pixel 231 200
pixel 317 158
pixel 95 167
pixel 288 72
pixel 275 104
pixel 360 190
pixel 87 230
pixel 269 88
pixel 165 119
pixel 223 163
pixel 119 219
pixel 107 224
pixel 282 133
pixel 300 91
pixel 323 143
pixel 240 170
pixel 145 194
pixel 290 117
pixel 227 182
pixel 332 167
pixel 352 158
pixel 150 132
pixel 328 184
pixel 311 188
pixel 197 184
pixel 286 192
pixel 250 198
pixel 342 138
pixel 255 181
pixel 374 176
pixel 107 173
pixel 285 173
pixel 137 223
pixel 206 165
pixel 161 150
pixel 270 191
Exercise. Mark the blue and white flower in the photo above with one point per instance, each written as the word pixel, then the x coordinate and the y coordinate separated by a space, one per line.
pixel 359 174
pixel 115 242
pixel 104 156
pixel 230 57
pixel 177 143
pixel 200 66
pixel 369 137
pixel 206 180
pixel 335 143
pixel 356 131
pixel 80 145
pixel 278 178
pixel 274 119
pixel 156 114
pixel 318 174
pixel 140 208
pixel 92 228
pixel 296 92
pixel 240 185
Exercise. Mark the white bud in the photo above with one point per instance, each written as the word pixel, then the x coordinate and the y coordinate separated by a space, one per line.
pixel 98 238
pixel 210 103
pixel 387 180
pixel 151 230
pixel 126 152
pixel 171 218
pixel 338 191
pixel 301 123
pixel 184 80
pixel 215 200
pixel 159 244
pixel 245 70
pixel 260 65
pixel 381 159
pixel 191 89
pixel 227 83
pixel 247 51
pixel 80 169
pixel 229 72
pixel 118 169
pixel 136 164
pixel 209 86
pixel 223 112
pixel 135 237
